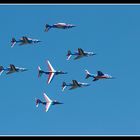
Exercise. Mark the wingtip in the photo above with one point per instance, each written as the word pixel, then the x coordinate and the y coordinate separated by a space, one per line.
pixel 47 61
pixel 39 68
pixel 48 82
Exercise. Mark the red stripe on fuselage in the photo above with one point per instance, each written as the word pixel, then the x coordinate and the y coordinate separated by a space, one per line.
pixel 101 77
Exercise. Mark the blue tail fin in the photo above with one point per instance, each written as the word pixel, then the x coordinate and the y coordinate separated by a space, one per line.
pixel 99 73
pixel 47 27
pixel 1 68
pixel 64 85
pixel 13 40
pixel 40 72
pixel 37 101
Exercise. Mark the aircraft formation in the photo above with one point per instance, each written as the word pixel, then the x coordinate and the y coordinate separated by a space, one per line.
pixel 51 73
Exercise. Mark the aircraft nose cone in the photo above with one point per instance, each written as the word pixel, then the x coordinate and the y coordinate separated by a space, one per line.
pixel 25 69
pixel 73 25
pixel 64 72
pixel 58 103
pixel 37 41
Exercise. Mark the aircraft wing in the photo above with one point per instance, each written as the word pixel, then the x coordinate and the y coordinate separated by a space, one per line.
pixel 51 74
pixel 9 72
pixel 22 43
pixel 47 106
pixel 48 100
pixel 25 39
pixel 80 51
pixel 99 73
pixel 50 77
pixel 75 83
pixel 12 69
pixel 73 87
pixel 78 57
pixel 95 79
pixel 50 67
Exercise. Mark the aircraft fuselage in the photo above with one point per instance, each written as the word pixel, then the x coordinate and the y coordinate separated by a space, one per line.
pixel 102 77
pixel 62 26
pixel 56 102
pixel 55 72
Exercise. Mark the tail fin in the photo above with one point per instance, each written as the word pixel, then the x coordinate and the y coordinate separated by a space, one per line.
pixel 40 72
pixel 37 102
pixel 1 69
pixel 87 74
pixel 69 55
pixel 13 42
pixel 47 27
pixel 63 86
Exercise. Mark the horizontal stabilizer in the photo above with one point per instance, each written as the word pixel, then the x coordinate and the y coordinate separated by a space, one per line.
pixel 63 86
pixel 69 54
pixel 1 71
pixel 40 72
pixel 13 42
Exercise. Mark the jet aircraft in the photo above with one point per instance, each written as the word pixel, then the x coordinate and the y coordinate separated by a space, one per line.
pixel 74 85
pixel 47 103
pixel 59 26
pixel 11 69
pixel 98 76
pixel 79 54
pixel 51 72
pixel 23 40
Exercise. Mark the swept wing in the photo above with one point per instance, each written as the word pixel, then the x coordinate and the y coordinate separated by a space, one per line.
pixel 48 102
pixel 12 69
pixel 51 74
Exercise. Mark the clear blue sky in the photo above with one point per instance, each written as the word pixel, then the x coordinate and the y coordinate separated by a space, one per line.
pixel 107 107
